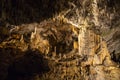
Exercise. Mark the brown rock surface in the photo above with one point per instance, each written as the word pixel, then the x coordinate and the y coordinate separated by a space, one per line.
pixel 89 60
pixel 59 39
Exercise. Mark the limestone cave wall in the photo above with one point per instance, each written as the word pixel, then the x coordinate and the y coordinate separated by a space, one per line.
pixel 59 40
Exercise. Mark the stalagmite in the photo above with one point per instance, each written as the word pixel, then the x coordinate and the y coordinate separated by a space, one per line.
pixel 71 40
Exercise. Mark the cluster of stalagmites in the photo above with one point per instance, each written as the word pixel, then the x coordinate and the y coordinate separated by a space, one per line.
pixel 55 51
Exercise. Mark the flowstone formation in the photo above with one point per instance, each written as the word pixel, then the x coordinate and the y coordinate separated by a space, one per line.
pixel 78 42
pixel 72 53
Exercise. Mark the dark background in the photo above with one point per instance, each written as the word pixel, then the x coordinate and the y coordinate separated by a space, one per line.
pixel 28 11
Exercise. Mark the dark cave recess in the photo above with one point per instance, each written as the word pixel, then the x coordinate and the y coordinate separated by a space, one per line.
pixel 30 11
pixel 17 65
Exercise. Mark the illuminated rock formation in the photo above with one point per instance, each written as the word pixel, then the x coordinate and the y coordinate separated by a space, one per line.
pixel 60 40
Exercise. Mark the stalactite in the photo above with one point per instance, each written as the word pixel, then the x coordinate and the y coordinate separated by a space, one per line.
pixel 95 12
pixel 69 41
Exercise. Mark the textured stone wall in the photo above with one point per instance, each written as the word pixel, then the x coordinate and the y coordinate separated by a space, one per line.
pixel 55 50
pixel 59 40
